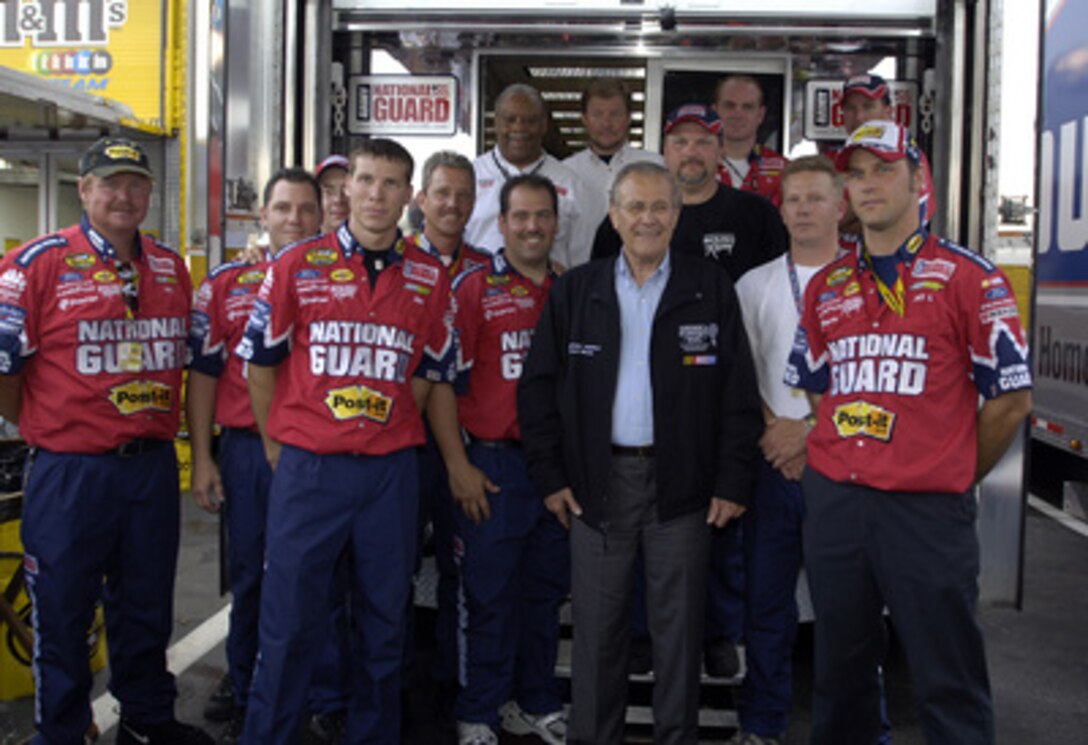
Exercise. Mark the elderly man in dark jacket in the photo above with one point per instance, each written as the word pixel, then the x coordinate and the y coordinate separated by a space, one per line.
pixel 639 413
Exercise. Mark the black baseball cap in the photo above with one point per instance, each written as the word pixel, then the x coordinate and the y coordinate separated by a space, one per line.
pixel 112 155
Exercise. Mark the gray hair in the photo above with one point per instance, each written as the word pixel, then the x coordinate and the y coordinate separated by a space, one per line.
pixel 446 159
pixel 521 89
pixel 645 168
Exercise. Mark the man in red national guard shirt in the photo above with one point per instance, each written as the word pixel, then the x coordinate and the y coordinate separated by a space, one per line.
pixel 897 341
pixel 446 199
pixel 342 327
pixel 512 553
pixel 217 394
pixel 745 163
pixel 93 321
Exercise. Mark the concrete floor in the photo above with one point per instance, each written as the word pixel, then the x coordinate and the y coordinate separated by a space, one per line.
pixel 1038 655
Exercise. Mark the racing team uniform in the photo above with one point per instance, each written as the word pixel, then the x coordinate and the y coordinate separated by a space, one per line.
pixel 890 513
pixel 596 174
pixel 515 566
pixel 347 476
pixel 100 409
pixel 763 176
pixel 575 236
pixel 436 503
pixel 222 308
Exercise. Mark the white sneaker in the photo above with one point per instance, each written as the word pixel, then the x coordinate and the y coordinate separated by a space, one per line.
pixel 551 728
pixel 472 733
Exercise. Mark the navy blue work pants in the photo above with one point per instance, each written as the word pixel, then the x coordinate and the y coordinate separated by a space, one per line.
pixel 321 506
pixel 916 553
pixel 772 562
pixel 87 518
pixel 515 573
pixel 247 480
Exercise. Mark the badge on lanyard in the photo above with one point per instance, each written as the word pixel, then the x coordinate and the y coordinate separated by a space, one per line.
pixel 130 356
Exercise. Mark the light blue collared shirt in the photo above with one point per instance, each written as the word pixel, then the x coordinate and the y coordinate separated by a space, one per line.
pixel 633 406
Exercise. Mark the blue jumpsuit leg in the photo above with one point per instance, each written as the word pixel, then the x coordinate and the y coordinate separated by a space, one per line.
pixel 436 506
pixel 330 688
pixel 725 584
pixel 385 521
pixel 544 582
pixel 68 531
pixel 491 553
pixel 926 559
pixel 847 601
pixel 140 589
pixel 310 510
pixel 247 479
pixel 772 553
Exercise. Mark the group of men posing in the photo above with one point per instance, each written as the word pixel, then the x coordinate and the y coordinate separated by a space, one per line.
pixel 725 365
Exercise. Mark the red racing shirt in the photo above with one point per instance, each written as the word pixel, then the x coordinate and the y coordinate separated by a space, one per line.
pixel 95 374
pixel 220 313
pixel 497 310
pixel 900 392
pixel 764 177
pixel 349 352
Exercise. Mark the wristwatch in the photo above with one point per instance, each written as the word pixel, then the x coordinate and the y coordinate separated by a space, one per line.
pixel 810 422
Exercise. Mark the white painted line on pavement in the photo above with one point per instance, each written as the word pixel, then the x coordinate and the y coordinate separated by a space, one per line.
pixel 179 658
pixel 1077 526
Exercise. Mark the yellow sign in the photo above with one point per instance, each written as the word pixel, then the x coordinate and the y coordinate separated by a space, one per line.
pixel 141 395
pixel 108 48
pixel 864 418
pixel 354 401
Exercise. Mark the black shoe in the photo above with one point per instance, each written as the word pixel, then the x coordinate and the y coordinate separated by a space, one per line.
pixel 163 733
pixel 720 659
pixel 232 733
pixel 328 728
pixel 641 661
pixel 220 706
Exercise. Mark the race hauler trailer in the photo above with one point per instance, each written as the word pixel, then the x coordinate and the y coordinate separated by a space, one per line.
pixel 427 73
pixel 1060 315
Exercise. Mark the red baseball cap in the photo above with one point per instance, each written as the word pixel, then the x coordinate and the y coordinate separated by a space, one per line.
pixel 702 115
pixel 870 86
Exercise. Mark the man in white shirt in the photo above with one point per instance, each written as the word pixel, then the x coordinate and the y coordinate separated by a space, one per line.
pixel 521 120
pixel 606 116
pixel 771 296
